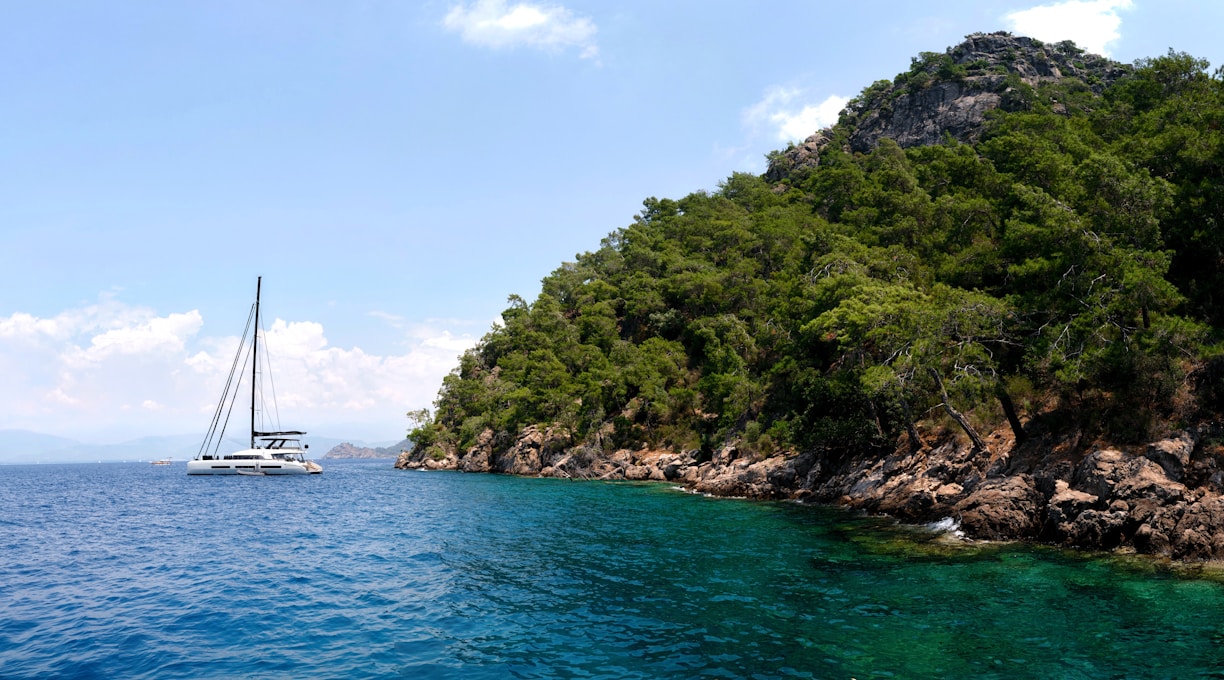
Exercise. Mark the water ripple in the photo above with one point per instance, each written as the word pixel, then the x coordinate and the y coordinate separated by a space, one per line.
pixel 142 572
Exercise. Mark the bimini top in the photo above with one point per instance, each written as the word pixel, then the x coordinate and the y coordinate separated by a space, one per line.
pixel 279 440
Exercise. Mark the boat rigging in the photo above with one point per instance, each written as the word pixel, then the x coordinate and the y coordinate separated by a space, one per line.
pixel 268 453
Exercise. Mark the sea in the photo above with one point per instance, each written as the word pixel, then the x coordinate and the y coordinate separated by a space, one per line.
pixel 129 570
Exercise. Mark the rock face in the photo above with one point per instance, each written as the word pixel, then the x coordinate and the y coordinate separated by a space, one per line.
pixel 1103 499
pixel 950 94
pixel 798 159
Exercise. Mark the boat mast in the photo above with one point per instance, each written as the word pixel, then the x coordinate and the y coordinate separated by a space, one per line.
pixel 255 357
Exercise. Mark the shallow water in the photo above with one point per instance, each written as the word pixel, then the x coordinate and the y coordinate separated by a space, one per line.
pixel 133 570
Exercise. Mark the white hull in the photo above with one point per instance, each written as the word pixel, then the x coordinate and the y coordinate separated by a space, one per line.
pixel 255 462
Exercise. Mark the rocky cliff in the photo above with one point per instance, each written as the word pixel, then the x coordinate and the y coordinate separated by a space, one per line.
pixel 951 93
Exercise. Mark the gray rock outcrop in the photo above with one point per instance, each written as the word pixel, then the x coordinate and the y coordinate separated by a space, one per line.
pixel 949 94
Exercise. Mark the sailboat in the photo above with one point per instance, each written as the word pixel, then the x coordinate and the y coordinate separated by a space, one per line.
pixel 269 453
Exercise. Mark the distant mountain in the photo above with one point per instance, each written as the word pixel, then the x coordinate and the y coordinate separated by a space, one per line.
pixel 17 445
pixel 179 447
pixel 347 450
pixel 23 446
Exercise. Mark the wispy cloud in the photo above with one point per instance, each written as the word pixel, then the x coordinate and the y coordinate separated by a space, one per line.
pixel 790 114
pixel 1092 24
pixel 495 24
pixel 109 363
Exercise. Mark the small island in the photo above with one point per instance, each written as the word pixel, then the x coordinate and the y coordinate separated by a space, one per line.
pixel 990 293
pixel 346 450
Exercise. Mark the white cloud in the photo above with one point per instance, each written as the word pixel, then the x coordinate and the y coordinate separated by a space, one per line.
pixel 791 116
pixel 157 335
pixel 494 24
pixel 112 366
pixel 27 328
pixel 810 118
pixel 312 376
pixel 1092 24
pixel 57 396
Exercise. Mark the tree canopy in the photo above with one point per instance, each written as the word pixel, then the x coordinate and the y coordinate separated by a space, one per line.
pixel 1071 260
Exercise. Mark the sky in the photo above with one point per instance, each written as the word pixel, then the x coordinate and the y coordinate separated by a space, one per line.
pixel 394 171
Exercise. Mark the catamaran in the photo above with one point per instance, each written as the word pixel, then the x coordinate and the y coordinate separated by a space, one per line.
pixel 269 453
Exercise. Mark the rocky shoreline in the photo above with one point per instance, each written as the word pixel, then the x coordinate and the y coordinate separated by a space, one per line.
pixel 1164 499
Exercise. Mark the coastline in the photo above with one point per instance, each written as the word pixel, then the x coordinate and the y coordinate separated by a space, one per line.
pixel 1163 499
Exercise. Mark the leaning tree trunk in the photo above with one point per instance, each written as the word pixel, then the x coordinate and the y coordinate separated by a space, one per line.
pixel 916 442
pixel 875 416
pixel 978 444
pixel 1009 410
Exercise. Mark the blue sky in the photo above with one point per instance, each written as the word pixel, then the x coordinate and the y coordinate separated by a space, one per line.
pixel 394 170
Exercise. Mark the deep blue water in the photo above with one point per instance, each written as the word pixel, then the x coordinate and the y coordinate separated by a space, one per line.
pixel 138 571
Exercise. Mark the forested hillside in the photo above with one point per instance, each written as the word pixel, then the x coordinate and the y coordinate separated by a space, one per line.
pixel 1054 264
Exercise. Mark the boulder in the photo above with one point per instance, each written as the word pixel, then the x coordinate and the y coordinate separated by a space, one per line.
pixel 1062 510
pixel 1145 479
pixel 1173 455
pixel 1099 472
pixel 1199 533
pixel 1100 529
pixel 638 472
pixel 1001 508
pixel 1150 541
pixel 767 478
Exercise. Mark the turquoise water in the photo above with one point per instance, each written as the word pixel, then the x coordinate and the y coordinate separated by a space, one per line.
pixel 133 570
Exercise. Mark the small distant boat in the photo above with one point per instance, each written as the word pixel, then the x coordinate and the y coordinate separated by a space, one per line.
pixel 163 461
pixel 269 453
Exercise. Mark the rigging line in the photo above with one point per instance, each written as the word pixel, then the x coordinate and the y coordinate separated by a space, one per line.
pixel 272 382
pixel 262 371
pixel 233 400
pixel 213 435
pixel 212 427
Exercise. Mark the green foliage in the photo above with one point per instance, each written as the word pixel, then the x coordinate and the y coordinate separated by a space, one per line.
pixel 1075 252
